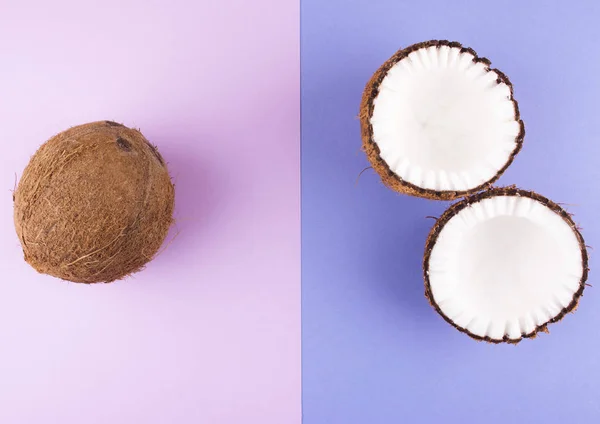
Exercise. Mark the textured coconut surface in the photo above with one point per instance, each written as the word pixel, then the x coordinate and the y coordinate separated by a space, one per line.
pixel 503 264
pixel 94 204
pixel 438 122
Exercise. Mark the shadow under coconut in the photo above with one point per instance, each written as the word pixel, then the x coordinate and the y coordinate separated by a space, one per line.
pixel 391 250
pixel 396 267
pixel 198 196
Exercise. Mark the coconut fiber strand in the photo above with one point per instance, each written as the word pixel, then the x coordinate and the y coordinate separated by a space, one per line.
pixel 94 204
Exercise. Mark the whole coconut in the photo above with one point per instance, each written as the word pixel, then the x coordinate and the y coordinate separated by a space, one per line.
pixel 94 204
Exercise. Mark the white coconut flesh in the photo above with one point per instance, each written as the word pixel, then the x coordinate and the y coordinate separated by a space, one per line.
pixel 505 266
pixel 443 121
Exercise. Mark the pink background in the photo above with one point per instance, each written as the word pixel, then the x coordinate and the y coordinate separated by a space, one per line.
pixel 210 331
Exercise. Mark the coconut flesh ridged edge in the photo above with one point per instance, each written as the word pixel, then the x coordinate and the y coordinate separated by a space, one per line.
pixel 504 191
pixel 391 179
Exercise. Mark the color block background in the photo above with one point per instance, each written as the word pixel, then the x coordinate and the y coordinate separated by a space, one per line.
pixel 210 332
pixel 374 351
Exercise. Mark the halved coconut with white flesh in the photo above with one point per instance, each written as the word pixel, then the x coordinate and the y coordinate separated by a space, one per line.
pixel 503 264
pixel 438 122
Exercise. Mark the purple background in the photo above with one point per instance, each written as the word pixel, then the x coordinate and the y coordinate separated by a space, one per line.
pixel 210 332
pixel 374 351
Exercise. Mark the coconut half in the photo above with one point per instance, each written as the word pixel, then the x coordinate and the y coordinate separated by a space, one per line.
pixel 503 264
pixel 438 122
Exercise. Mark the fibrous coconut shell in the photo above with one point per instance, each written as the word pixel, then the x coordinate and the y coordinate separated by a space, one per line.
pixel 94 204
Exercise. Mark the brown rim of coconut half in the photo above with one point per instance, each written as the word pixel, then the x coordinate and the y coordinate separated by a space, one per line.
pixel 503 264
pixel 438 122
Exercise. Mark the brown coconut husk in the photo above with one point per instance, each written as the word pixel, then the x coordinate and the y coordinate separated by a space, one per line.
pixel 389 178
pixel 504 191
pixel 94 204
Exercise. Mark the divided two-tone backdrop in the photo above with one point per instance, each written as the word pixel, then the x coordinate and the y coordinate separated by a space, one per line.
pixel 290 293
